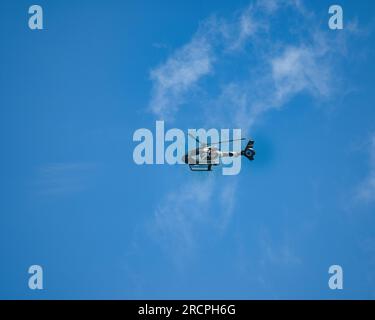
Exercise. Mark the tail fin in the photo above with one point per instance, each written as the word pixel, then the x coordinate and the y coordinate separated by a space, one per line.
pixel 249 151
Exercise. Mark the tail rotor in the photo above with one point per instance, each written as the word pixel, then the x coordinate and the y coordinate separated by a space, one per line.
pixel 249 151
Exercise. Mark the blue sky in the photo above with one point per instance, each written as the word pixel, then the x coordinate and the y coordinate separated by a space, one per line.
pixel 73 200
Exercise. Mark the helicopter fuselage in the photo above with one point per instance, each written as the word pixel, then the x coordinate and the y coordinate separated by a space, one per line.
pixel 207 155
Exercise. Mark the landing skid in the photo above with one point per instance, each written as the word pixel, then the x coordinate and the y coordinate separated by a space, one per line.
pixel 201 167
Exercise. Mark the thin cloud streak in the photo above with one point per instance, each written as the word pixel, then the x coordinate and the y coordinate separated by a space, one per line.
pixel 60 179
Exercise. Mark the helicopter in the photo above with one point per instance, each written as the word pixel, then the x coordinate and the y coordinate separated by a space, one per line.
pixel 206 156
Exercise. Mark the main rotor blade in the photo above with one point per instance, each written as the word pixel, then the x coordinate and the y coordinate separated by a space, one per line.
pixel 226 141
pixel 197 140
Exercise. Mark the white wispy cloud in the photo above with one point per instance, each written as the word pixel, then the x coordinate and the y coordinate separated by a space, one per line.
pixel 184 214
pixel 275 69
pixel 297 69
pixel 278 78
pixel 174 79
pixel 281 73
pixel 235 34
pixel 177 215
pixel 279 69
pixel 182 71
